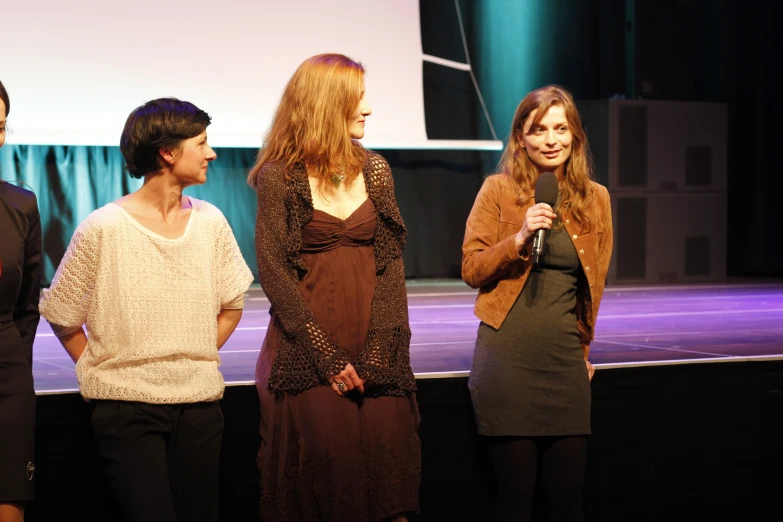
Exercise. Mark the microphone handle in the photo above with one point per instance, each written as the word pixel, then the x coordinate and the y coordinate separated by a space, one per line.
pixel 538 244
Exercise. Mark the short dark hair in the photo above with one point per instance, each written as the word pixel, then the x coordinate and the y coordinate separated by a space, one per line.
pixel 4 97
pixel 157 125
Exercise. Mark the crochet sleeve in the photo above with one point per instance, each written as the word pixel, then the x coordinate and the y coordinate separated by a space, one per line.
pixel 385 360
pixel 280 280
pixel 66 302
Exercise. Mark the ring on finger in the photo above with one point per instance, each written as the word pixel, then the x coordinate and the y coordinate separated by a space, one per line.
pixel 340 385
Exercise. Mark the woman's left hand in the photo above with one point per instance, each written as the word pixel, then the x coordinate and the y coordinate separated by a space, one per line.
pixel 346 381
pixel 590 369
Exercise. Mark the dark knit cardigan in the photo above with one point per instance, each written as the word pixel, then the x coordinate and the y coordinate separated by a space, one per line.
pixel 307 357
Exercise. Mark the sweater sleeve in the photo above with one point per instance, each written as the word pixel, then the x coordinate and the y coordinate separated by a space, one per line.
pixel 235 276
pixel 66 302
pixel 280 280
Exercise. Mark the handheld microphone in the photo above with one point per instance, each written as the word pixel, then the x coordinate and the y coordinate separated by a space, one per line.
pixel 546 192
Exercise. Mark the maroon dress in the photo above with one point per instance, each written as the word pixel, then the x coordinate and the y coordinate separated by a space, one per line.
pixel 324 457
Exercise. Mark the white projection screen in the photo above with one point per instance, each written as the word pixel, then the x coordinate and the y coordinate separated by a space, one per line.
pixel 75 69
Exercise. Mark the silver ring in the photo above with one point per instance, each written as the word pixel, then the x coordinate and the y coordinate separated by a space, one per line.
pixel 340 385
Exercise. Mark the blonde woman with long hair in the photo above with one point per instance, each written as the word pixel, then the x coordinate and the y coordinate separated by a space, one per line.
pixel 339 416
pixel 530 376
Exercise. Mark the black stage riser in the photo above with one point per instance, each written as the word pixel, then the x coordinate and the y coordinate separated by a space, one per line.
pixel 676 442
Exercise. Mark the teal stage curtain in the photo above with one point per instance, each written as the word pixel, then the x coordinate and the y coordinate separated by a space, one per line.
pixel 71 182
pixel 435 191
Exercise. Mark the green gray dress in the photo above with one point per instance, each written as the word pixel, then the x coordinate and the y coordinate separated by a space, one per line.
pixel 528 378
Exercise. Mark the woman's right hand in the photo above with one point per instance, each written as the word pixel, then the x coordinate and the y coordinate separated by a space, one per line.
pixel 537 217
pixel 347 380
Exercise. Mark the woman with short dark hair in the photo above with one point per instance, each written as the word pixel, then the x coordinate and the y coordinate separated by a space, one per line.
pixel 158 279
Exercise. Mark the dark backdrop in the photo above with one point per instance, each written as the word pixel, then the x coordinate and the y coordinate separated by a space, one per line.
pixel 725 51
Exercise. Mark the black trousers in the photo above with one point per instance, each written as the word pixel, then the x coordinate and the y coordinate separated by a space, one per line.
pixel 161 461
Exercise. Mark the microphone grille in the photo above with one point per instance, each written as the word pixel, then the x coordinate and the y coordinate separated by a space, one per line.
pixel 546 189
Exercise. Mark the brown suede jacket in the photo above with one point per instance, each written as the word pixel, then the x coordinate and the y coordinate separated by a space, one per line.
pixel 491 263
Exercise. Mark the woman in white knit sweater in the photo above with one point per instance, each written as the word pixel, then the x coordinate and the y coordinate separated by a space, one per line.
pixel 159 281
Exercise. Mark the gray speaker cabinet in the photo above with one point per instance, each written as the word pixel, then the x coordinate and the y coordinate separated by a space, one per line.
pixel 664 163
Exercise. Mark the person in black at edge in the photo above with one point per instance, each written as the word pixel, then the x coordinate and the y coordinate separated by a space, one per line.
pixel 20 285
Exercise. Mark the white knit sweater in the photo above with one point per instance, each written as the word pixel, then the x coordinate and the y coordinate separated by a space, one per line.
pixel 150 305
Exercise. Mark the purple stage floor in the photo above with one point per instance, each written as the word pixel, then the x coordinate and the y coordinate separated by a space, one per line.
pixel 640 325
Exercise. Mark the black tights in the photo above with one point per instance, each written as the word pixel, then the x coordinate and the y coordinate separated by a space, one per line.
pixel 561 462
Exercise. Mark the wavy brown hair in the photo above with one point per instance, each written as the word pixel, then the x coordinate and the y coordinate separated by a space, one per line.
pixel 575 187
pixel 311 121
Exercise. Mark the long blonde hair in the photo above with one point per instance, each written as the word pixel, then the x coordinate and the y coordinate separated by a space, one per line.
pixel 575 187
pixel 311 121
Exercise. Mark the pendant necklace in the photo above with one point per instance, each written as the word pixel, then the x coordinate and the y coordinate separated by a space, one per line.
pixel 337 179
